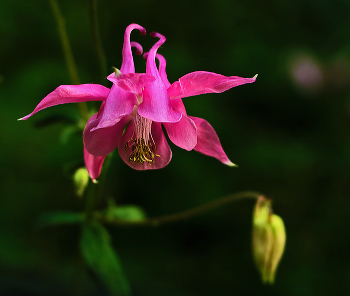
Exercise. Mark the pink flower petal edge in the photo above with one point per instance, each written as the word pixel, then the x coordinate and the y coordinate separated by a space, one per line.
pixel 103 141
pixel 131 82
pixel 208 141
pixel 201 82
pixel 156 102
pixel 93 164
pixel 71 94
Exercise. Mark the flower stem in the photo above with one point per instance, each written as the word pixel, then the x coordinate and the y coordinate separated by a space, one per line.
pixel 155 221
pixel 68 55
pixel 97 40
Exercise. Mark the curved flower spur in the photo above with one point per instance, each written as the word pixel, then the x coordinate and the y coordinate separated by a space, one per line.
pixel 141 102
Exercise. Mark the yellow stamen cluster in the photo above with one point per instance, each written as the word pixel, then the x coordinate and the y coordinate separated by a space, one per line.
pixel 141 151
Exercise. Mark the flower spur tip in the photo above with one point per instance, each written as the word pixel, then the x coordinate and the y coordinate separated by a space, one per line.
pixel 138 27
pixel 139 49
pixel 231 164
pixel 24 118
pixel 155 34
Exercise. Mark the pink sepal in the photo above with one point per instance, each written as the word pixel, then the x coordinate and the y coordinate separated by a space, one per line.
pixel 118 104
pixel 202 82
pixel 104 140
pixel 93 164
pixel 182 133
pixel 71 94
pixel 131 82
pixel 208 141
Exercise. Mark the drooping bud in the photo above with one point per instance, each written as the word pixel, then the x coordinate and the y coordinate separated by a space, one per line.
pixel 269 239
pixel 81 181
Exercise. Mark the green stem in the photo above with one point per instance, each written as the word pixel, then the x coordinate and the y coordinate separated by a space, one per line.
pixel 97 40
pixel 68 55
pixel 155 221
pixel 90 201
pixel 102 179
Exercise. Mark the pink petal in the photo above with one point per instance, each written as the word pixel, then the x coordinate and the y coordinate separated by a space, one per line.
pixel 162 72
pixel 202 82
pixel 178 105
pixel 131 82
pixel 93 164
pixel 128 61
pixel 118 104
pixel 163 149
pixel 208 141
pixel 162 66
pixel 156 102
pixel 121 102
pixel 182 133
pixel 103 141
pixel 71 94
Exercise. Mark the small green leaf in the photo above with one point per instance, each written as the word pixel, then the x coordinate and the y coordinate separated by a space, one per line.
pixel 127 212
pixel 57 218
pixel 100 256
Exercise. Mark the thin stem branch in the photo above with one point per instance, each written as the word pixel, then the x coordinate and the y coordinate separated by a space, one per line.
pixel 97 40
pixel 68 55
pixel 155 221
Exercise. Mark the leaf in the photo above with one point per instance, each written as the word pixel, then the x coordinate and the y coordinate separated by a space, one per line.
pixel 127 212
pixel 100 256
pixel 68 132
pixel 57 218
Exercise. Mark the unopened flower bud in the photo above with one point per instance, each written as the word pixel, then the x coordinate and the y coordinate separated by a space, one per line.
pixel 81 180
pixel 269 239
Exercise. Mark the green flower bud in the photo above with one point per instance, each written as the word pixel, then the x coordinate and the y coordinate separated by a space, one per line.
pixel 269 239
pixel 81 181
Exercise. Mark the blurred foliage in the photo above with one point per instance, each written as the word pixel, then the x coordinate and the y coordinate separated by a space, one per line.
pixel 100 256
pixel 288 132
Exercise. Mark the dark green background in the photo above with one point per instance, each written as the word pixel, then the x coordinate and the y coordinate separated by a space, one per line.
pixel 291 142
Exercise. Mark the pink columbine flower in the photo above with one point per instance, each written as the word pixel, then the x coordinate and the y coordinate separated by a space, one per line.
pixel 143 145
pixel 141 103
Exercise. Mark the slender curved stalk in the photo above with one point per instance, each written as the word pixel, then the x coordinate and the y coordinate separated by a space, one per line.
pixel 155 221
pixel 97 40
pixel 68 55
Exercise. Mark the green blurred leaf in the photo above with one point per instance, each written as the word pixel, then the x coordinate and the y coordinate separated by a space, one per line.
pixel 57 218
pixel 100 256
pixel 126 212
pixel 68 132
